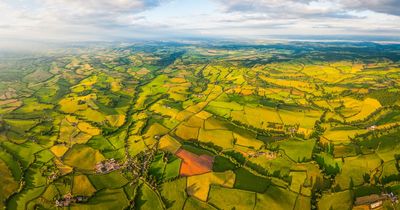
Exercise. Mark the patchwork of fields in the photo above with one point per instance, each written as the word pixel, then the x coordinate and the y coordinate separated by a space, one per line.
pixel 179 126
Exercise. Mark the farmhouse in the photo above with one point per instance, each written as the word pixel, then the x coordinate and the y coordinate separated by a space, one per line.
pixel 372 128
pixel 372 201
pixel 107 166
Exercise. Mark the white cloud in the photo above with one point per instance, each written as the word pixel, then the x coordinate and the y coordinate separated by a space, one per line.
pixel 92 20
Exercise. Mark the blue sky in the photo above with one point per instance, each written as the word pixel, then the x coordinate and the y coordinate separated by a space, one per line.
pixel 114 20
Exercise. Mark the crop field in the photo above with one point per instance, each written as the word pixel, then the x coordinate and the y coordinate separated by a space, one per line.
pixel 193 164
pixel 297 125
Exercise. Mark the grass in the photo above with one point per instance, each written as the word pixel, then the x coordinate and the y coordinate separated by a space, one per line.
pixel 297 150
pixel 248 181
pixel 172 168
pixel 186 132
pixel 21 200
pixel 9 185
pixel 329 163
pixel 111 180
pixel 368 106
pixel 21 126
pixel 168 143
pixel 339 200
pixel 24 152
pixel 247 141
pixel 388 146
pixel 342 134
pixel 82 186
pixel 222 138
pixel 392 116
pixel 196 150
pixel 222 164
pixel 298 179
pixel 276 198
pixel 32 105
pixel 354 168
pixel 304 118
pixel 157 167
pixel 148 199
pixel 136 145
pixel 226 198
pixel 199 185
pixel 105 199
pixel 226 101
pixel 174 194
pixel 214 124
pixel 259 116
pixel 12 164
pixel 79 152
pixel 302 202
pixel 193 203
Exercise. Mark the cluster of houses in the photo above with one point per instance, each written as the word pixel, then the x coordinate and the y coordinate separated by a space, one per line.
pixel 107 166
pixel 69 199
pixel 375 201
pixel 52 176
pixel 269 154
pixel 372 128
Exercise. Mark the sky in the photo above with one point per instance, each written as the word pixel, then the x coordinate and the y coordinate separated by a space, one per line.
pixel 116 20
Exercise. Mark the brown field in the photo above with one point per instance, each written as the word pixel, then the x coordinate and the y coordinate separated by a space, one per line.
pixel 193 164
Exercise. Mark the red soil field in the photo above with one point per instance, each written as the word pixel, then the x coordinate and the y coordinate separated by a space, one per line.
pixel 193 164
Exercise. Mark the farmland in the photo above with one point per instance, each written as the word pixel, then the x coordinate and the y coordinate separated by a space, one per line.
pixel 200 126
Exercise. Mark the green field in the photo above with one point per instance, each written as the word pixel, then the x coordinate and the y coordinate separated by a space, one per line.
pixel 200 125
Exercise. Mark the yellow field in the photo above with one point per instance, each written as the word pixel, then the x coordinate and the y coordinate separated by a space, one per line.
pixel 257 116
pixel 298 179
pixel 168 143
pixel 368 106
pixel 81 138
pixel 303 86
pixel 92 115
pixel 88 128
pixel 222 138
pixel 136 145
pixel 116 120
pixel 196 107
pixel 204 115
pixel 214 124
pixel 325 73
pixel 164 110
pixel 78 153
pixel 337 135
pixel 247 141
pixel 195 121
pixel 186 132
pixel 183 115
pixel 155 129
pixel 64 169
pixel 82 186
pixel 115 86
pixel 59 150
pixel 71 104
pixel 85 84
pixel 199 185
pixel 305 118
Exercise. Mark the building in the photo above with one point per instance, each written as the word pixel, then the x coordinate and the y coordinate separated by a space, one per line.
pixel 372 201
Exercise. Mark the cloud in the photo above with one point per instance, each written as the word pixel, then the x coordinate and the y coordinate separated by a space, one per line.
pixel 115 20
pixel 73 20
pixel 381 6
pixel 311 8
